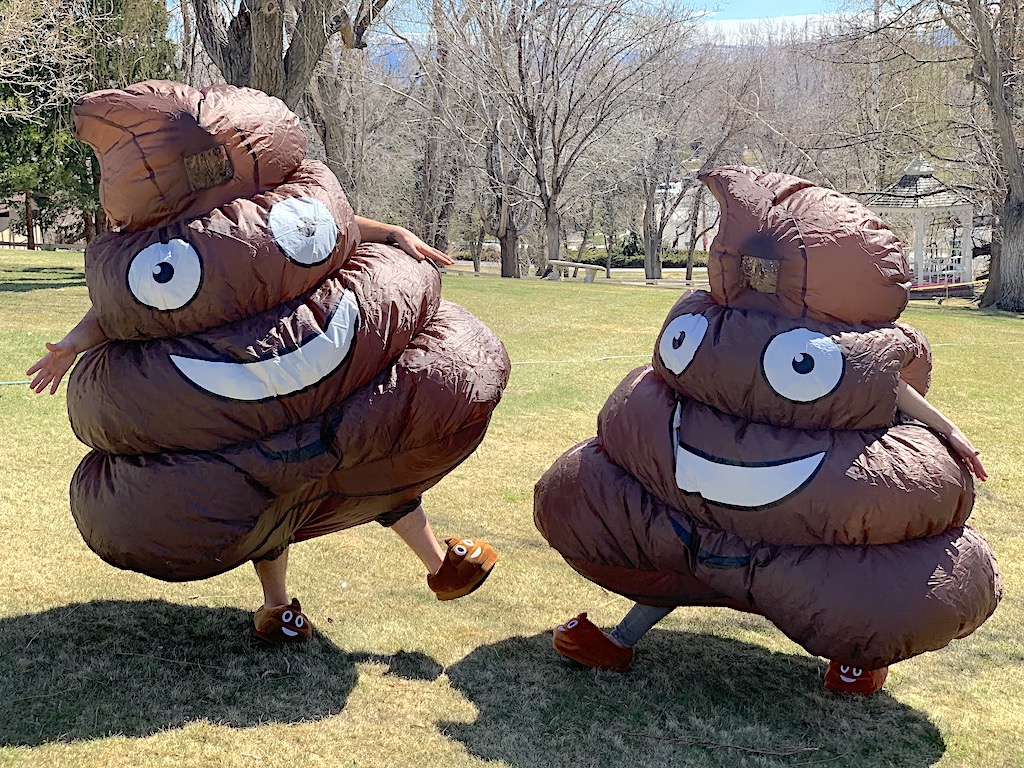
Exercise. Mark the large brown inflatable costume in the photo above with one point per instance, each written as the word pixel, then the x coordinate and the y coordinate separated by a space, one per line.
pixel 760 462
pixel 268 379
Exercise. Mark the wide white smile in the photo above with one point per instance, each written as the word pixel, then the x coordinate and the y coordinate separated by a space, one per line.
pixel 737 484
pixel 290 372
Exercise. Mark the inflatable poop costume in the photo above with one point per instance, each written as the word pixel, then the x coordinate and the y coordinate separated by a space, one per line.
pixel 268 379
pixel 760 463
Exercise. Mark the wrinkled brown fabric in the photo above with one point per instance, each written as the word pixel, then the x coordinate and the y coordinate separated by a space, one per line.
pixel 268 380
pixel 759 463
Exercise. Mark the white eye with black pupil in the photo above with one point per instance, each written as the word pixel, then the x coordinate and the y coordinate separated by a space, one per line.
pixel 679 341
pixel 304 229
pixel 802 365
pixel 165 275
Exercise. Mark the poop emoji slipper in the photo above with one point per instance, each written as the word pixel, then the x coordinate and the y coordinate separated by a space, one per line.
pixel 282 624
pixel 467 564
pixel 582 641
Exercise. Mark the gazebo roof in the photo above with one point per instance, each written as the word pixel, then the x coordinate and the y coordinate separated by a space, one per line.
pixel 917 188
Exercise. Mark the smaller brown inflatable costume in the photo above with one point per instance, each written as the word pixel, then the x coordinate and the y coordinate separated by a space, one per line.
pixel 760 462
pixel 268 379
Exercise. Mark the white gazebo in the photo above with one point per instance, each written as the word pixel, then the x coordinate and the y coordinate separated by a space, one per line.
pixel 940 219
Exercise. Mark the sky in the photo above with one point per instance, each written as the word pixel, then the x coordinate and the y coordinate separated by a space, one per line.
pixel 761 9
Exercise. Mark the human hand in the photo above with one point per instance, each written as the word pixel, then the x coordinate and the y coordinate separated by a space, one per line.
pixel 50 368
pixel 959 443
pixel 417 248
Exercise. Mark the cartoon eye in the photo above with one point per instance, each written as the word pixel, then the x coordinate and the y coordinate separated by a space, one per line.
pixel 286 617
pixel 460 550
pixel 572 624
pixel 679 341
pixel 844 669
pixel 304 229
pixel 802 365
pixel 165 275
pixel 299 621
pixel 468 542
pixel 857 671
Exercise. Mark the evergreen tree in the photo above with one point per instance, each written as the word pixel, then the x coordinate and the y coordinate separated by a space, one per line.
pixel 47 177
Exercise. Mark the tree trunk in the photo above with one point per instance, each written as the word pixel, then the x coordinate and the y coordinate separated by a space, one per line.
pixel 1011 262
pixel 551 236
pixel 588 222
pixel 324 109
pixel 994 288
pixel 509 241
pixel 996 60
pixel 188 45
pixel 95 222
pixel 88 227
pixel 438 179
pixel 267 73
pixel 609 244
pixel 698 201
pixel 427 183
pixel 440 171
pixel 443 223
pixel 652 245
pixel 476 249
pixel 30 225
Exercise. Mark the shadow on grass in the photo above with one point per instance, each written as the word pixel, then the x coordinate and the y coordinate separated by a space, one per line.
pixel 691 699
pixel 24 286
pixel 88 670
pixel 26 279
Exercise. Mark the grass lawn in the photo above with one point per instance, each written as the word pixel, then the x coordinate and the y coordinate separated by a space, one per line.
pixel 102 667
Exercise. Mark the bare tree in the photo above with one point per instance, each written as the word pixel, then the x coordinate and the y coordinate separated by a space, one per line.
pixel 994 33
pixel 45 56
pixel 687 121
pixel 502 206
pixel 439 170
pixel 565 72
pixel 275 45
pixel 976 134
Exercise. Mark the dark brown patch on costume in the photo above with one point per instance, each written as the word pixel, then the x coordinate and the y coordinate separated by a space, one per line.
pixel 762 275
pixel 209 168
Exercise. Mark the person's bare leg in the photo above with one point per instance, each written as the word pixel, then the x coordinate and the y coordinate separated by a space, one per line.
pixel 272 575
pixel 414 529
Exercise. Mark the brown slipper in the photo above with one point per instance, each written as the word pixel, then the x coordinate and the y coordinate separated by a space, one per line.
pixel 846 678
pixel 282 624
pixel 582 641
pixel 466 566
